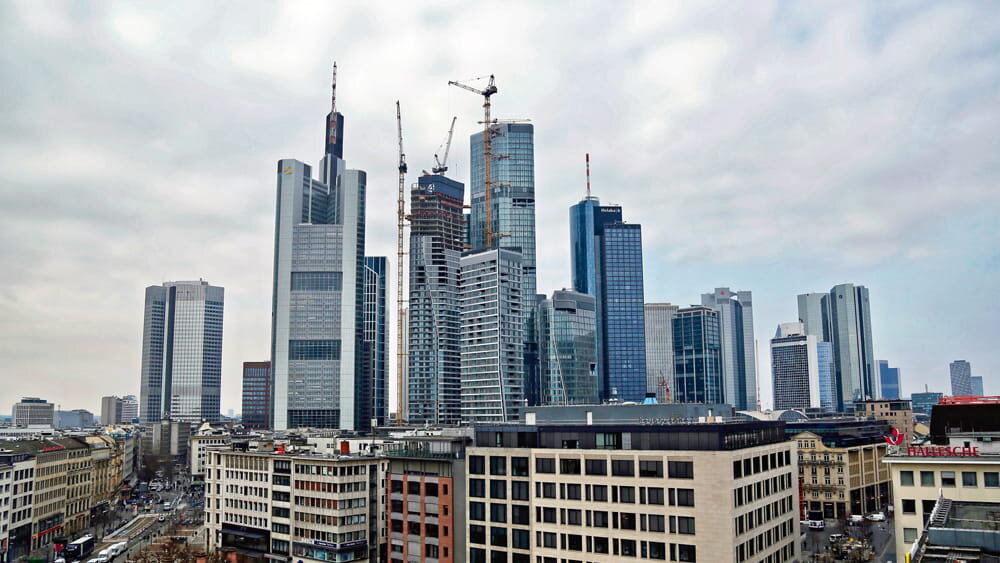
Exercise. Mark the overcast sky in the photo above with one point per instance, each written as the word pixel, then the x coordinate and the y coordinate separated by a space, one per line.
pixel 780 147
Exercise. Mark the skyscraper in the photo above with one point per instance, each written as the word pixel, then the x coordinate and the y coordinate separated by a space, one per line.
pixel 567 349
pixel 697 357
pixel 659 348
pixel 111 410
pixel 827 377
pixel 795 368
pixel 317 331
pixel 739 362
pixel 607 263
pixel 961 378
pixel 130 408
pixel 492 336
pixel 182 352
pixel 977 385
pixel 437 233
pixel 888 380
pixel 257 410
pixel 375 360
pixel 842 317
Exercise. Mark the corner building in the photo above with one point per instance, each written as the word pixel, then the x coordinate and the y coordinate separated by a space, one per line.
pixel 709 492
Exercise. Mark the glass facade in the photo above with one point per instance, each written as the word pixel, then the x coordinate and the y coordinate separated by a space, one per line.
pixel 739 364
pixel 374 386
pixel 697 357
pixel 961 378
pixel 659 348
pixel 182 352
pixel 257 395
pixel 889 380
pixel 567 349
pixel 827 383
pixel 437 233
pixel 794 368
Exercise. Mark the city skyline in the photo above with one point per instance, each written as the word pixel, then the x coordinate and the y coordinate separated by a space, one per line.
pixel 206 147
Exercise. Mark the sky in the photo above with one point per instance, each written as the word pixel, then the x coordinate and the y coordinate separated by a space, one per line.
pixel 778 147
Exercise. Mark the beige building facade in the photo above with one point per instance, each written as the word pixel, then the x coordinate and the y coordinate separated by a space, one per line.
pixel 897 412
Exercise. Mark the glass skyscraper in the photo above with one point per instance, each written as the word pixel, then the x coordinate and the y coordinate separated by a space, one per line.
pixel 437 233
pixel 567 349
pixel 257 395
pixel 697 357
pixel 889 380
pixel 182 352
pixel 492 336
pixel 794 368
pixel 739 363
pixel 827 382
pixel 977 385
pixel 660 348
pixel 606 254
pixel 961 378
pixel 376 366
pixel 317 332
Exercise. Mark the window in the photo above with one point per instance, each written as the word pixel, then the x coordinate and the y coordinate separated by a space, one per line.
pixel 520 539
pixel 477 533
pixel 909 506
pixel 947 478
pixel 498 465
pixel 600 519
pixel 548 490
pixel 519 490
pixel 609 440
pixel 906 478
pixel 601 493
pixel 548 539
pixel 314 350
pixel 909 535
pixel 498 536
pixel 600 544
pixel 628 548
pixel 657 550
pixel 737 469
pixel 685 552
pixel 498 512
pixel 573 491
pixel 969 479
pixel 685 497
pixel 519 466
pixel 477 464
pixel 574 517
pixel 316 281
pixel 681 470
pixel 574 542
pixel 569 466
pixel 622 467
pixel 413 487
pixel 991 479
pixel 656 523
pixel 520 514
pixel 655 495
pixel 627 521
pixel 926 478
pixel 545 465
pixel 650 468
pixel 596 467
pixel 498 488
pixel 477 487
pixel 477 511
pixel 685 525
pixel 627 494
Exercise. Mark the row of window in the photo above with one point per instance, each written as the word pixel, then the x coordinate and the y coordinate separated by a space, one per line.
pixel 520 539
pixel 757 464
pixel 519 466
pixel 991 479
pixel 760 489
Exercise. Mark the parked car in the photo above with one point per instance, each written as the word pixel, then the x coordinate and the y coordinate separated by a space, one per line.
pixel 119 548
pixel 857 518
pixel 835 538
pixel 876 516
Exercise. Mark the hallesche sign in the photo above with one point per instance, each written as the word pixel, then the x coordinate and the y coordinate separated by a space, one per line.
pixel 942 451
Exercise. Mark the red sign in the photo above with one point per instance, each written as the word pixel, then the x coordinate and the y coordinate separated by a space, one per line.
pixel 942 451
pixel 896 438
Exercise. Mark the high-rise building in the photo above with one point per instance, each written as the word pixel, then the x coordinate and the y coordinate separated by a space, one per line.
pixel 257 391
pixel 697 357
pixel 961 378
pixel 924 402
pixel 842 317
pixel 888 380
pixel 795 368
pixel 182 352
pixel 492 336
pixel 375 359
pixel 977 385
pixel 130 409
pixel 317 332
pixel 437 232
pixel 827 381
pixel 739 362
pixel 607 263
pixel 659 348
pixel 111 410
pixel 567 349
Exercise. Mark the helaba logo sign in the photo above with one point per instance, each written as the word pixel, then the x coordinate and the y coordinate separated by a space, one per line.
pixel 895 439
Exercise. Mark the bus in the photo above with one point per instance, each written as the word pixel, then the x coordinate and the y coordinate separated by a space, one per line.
pixel 815 520
pixel 80 548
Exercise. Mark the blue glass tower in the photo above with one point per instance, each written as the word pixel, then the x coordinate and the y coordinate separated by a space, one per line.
pixel 889 379
pixel 376 367
pixel 827 381
pixel 607 263
pixel 697 356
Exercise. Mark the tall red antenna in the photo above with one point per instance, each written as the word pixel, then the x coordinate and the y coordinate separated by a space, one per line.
pixel 588 174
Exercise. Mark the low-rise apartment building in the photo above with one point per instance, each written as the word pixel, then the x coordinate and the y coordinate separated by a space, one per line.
pixel 631 490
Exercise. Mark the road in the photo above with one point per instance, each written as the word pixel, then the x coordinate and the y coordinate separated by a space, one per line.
pixel 817 541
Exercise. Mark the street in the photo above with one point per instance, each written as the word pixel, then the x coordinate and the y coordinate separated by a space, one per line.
pixel 817 542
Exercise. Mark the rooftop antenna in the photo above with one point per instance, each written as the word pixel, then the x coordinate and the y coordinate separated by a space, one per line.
pixel 333 95
pixel 588 175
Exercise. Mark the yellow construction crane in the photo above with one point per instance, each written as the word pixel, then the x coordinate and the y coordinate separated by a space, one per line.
pixel 442 164
pixel 400 253
pixel 487 153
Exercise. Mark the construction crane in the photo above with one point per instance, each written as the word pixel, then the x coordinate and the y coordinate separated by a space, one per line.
pixel 400 253
pixel 487 153
pixel 442 165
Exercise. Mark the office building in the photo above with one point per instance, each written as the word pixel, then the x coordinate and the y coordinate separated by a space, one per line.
pixel 827 381
pixel 111 410
pixel 15 540
pixel 961 462
pixel 697 357
pixel 739 362
pixel 76 418
pixel 795 368
pixel 437 230
pixel 888 380
pixel 567 349
pixel 659 348
pixel 32 411
pixel 181 352
pixel 257 391
pixel 310 505
pixel 491 335
pixel 977 385
pixel 317 321
pixel 130 409
pixel 841 462
pixel 923 402
pixel 606 258
pixel 375 359
pixel 843 318
pixel 614 491
pixel 961 378
pixel 165 443
pixel 896 412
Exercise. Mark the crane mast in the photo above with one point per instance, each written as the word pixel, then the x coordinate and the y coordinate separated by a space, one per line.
pixel 487 154
pixel 400 253
pixel 442 165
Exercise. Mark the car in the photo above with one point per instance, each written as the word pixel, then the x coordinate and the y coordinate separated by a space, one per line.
pixel 119 548
pixel 835 538
pixel 817 524
pixel 876 516
pixel 106 555
pixel 855 518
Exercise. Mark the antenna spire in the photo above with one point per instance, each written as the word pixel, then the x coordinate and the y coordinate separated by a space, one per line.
pixel 588 175
pixel 333 96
